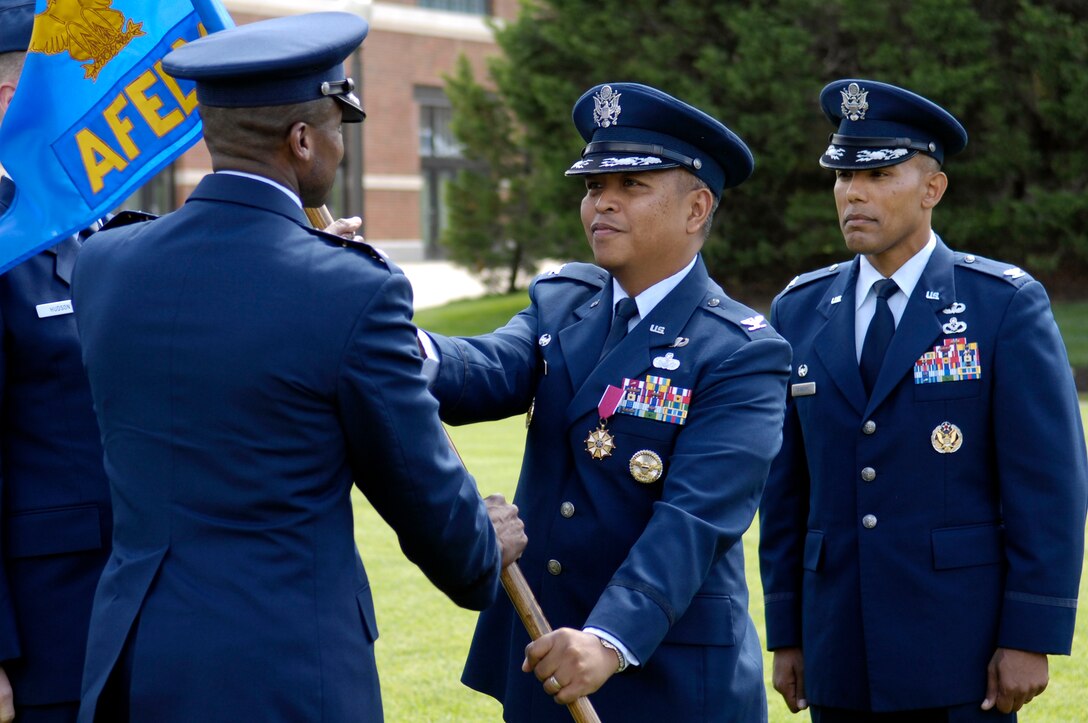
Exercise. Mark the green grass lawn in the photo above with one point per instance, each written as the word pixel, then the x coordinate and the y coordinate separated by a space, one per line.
pixel 424 637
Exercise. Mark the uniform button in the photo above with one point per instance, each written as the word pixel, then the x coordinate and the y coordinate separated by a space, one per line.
pixel 868 474
pixel 713 302
pixel 555 568
pixel 869 427
pixel 869 521
pixel 969 259
pixel 566 509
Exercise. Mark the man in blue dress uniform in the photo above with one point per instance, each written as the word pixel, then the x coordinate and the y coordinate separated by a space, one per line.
pixel 655 407
pixel 54 498
pixel 247 370
pixel 922 530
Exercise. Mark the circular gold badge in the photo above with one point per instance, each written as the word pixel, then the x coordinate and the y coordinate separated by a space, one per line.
pixel 946 438
pixel 646 466
pixel 600 443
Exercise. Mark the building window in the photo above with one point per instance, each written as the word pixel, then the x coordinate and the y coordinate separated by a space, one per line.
pixel 440 159
pixel 475 7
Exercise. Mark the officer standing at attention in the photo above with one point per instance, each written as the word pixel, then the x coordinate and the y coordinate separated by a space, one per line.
pixel 922 531
pixel 655 407
pixel 54 498
pixel 246 370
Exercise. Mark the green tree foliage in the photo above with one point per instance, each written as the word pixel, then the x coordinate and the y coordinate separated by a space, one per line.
pixel 1013 71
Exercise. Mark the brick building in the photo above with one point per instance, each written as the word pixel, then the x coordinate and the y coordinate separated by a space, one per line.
pixel 396 162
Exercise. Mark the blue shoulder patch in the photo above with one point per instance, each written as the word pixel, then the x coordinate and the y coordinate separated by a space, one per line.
pixel 1012 274
pixel 752 323
pixel 808 277
pixel 586 273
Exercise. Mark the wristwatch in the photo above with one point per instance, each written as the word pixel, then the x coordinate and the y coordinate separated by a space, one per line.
pixel 619 654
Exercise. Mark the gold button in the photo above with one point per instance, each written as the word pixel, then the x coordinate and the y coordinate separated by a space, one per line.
pixel 554 567
pixel 566 509
pixel 868 474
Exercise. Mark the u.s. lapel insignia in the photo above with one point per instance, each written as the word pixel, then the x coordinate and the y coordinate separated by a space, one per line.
pixel 954 308
pixel 954 326
pixel 836 299
pixel 754 323
pixel 946 438
pixel 657 329
pixel 666 362
pixel 646 466
pixel 544 339
pixel 933 296
pixel 681 341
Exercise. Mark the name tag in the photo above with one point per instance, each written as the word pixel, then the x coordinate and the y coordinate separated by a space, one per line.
pixel 54 308
pixel 805 389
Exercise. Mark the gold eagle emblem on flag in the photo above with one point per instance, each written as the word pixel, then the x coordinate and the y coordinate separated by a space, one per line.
pixel 89 30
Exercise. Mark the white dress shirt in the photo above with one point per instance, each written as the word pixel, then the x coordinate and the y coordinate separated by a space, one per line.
pixel 906 278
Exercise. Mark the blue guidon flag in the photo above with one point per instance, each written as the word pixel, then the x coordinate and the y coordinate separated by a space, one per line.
pixel 95 115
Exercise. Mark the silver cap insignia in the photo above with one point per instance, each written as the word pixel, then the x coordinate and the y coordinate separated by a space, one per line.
pixel 606 107
pixel 854 103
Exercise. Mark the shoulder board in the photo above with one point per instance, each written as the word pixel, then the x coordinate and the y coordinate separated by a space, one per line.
pixel 586 273
pixel 752 323
pixel 808 277
pixel 361 246
pixel 127 218
pixel 1012 274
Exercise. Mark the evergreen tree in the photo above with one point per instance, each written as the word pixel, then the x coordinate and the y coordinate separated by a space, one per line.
pixel 1011 70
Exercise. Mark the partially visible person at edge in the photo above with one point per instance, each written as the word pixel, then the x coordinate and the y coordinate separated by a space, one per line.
pixel 655 407
pixel 247 370
pixel 922 531
pixel 54 498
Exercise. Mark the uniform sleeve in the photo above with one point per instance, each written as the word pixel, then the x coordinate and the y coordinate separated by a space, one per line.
pixel 401 457
pixel 9 634
pixel 1039 443
pixel 716 475
pixel 488 377
pixel 783 519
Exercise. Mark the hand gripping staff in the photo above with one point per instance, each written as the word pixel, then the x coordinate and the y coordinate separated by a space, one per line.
pixel 513 581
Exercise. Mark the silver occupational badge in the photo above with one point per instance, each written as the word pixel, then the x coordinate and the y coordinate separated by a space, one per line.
pixel 606 107
pixel 854 103
pixel 946 438
pixel 646 466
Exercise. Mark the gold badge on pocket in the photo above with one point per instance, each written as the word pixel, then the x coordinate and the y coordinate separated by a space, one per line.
pixel 946 438
pixel 646 466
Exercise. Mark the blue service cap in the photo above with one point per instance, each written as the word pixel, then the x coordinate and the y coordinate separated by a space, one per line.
pixel 16 22
pixel 281 61
pixel 629 126
pixel 881 125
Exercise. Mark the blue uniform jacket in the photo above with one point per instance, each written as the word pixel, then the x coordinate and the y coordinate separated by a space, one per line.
pixel 897 568
pixel 54 499
pixel 660 565
pixel 246 370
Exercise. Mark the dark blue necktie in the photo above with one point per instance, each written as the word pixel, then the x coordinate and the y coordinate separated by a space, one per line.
pixel 879 335
pixel 626 309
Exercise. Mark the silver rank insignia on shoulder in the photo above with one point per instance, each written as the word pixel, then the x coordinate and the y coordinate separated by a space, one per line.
pixel 954 326
pixel 544 339
pixel 606 107
pixel 754 323
pixel 646 466
pixel 666 362
pixel 854 103
pixel 946 438
pixel 955 308
pixel 933 296
pixel 1014 273
pixel 681 341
